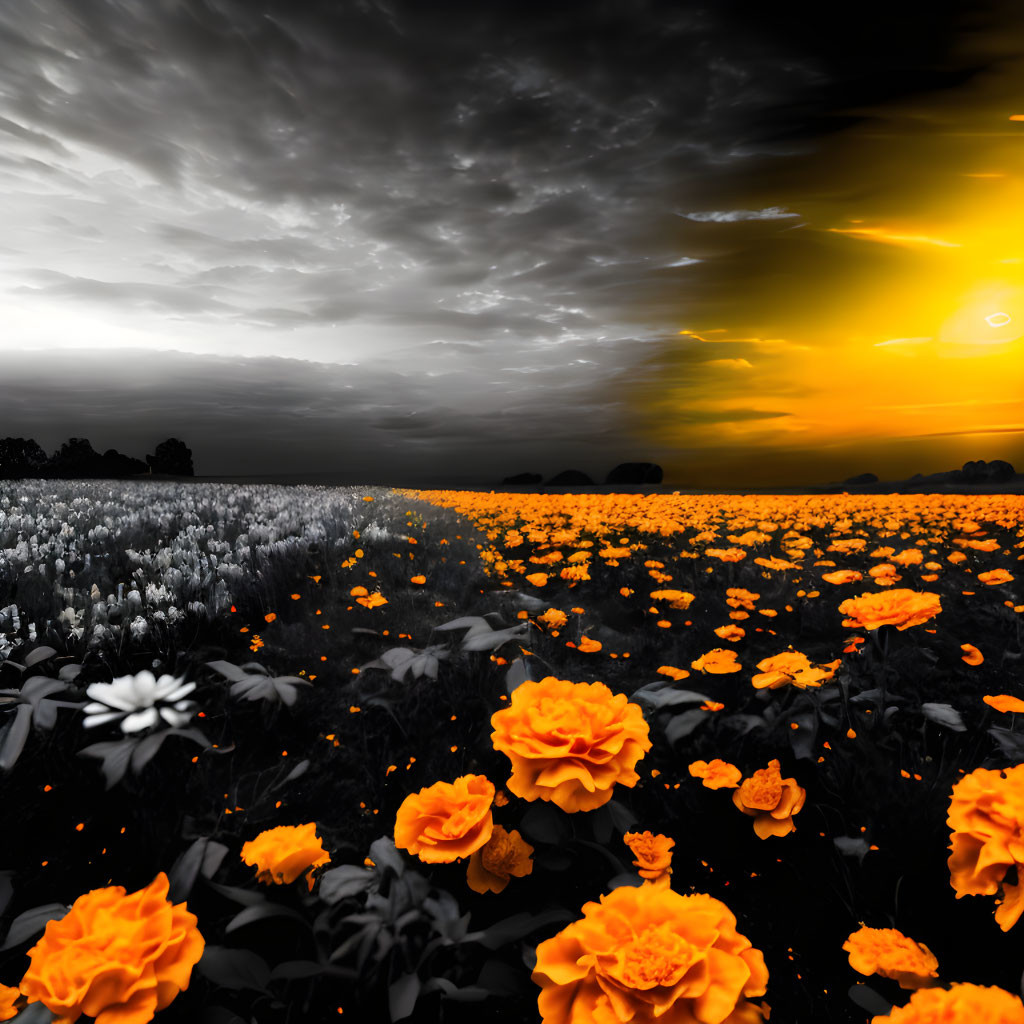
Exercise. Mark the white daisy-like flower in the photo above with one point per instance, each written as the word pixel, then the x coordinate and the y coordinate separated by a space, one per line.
pixel 140 699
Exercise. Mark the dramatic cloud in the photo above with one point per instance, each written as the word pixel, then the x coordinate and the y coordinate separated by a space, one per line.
pixel 478 228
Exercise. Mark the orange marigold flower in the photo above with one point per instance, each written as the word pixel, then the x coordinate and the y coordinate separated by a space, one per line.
pixel 553 618
pixel 115 956
pixel 680 600
pixel 842 576
pixel 899 608
pixel 281 854
pixel 986 816
pixel 672 672
pixel 961 1003
pixel 726 554
pixel 570 743
pixel 995 577
pixel 889 953
pixel 588 646
pixel 771 799
pixel 538 579
pixel 730 632
pixel 447 821
pixel 792 667
pixel 653 853
pixel 718 662
pixel 971 654
pixel 503 855
pixel 717 774
pixel 8 997
pixel 649 953
pixel 712 705
pixel 737 597
pixel 1004 702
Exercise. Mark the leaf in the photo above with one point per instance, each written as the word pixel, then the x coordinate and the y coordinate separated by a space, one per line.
pixel 243 896
pixel 384 854
pixel 34 1013
pixel 1010 743
pixel 38 655
pixel 500 978
pixel 682 725
pixel 45 716
pixel 944 714
pixel 517 674
pixel 35 689
pixel 256 667
pixel 544 822
pixel 31 923
pixel 478 624
pixel 628 878
pixel 204 855
pixel 15 736
pixel 341 882
pixel 868 999
pixel 622 817
pixel 661 695
pixel 292 970
pixel 234 968
pixel 493 640
pixel 745 722
pixel 226 669
pixel 258 912
pixel 465 994
pixel 115 754
pixel 802 739
pixel 402 996
pixel 363 629
pixel 146 750
pixel 511 929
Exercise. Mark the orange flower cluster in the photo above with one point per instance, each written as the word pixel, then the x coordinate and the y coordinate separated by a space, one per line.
pixel 115 956
pixel 281 854
pixel 890 954
pixel 961 1003
pixel 792 667
pixel 503 855
pixel 716 774
pixel 986 815
pixel 899 608
pixel 653 853
pixel 771 799
pixel 570 743
pixel 647 953
pixel 718 662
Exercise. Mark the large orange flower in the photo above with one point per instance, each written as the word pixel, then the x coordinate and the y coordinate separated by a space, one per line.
pixel 503 855
pixel 117 957
pixel 986 815
pixel 8 997
pixel 891 954
pixel 718 662
pixel 446 821
pixel 961 1003
pixel 717 774
pixel 771 799
pixel 281 854
pixel 648 953
pixel 899 608
pixel 570 743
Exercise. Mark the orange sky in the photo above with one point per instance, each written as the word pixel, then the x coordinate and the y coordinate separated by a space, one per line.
pixel 882 330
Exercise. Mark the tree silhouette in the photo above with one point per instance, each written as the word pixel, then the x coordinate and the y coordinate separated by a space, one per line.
pixel 20 458
pixel 75 458
pixel 172 457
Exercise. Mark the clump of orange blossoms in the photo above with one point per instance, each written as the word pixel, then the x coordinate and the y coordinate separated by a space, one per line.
pixel 718 662
pixel 889 953
pixel 986 815
pixel 961 1003
pixel 900 608
pixel 716 774
pixel 771 799
pixel 792 667
pixel 447 821
pixel 503 855
pixel 648 953
pixel 281 854
pixel 570 743
pixel 115 956
pixel 653 853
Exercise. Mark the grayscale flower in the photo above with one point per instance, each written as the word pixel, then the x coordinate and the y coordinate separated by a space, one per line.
pixel 142 700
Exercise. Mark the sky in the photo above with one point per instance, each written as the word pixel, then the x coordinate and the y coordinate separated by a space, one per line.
pixel 442 243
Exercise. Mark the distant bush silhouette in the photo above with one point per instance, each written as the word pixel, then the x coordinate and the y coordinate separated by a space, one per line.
pixel 172 457
pixel 20 458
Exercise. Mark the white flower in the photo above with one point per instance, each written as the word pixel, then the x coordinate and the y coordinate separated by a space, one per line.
pixel 137 698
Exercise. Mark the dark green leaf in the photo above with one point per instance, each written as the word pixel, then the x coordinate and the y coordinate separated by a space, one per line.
pixel 291 970
pixel 15 736
pixel 234 968
pixel 402 996
pixel 545 823
pixel 259 912
pixel 944 714
pixel 682 725
pixel 344 881
pixel 38 655
pixel 31 923
pixel 868 999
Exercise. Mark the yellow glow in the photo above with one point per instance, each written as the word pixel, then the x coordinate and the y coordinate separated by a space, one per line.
pixel 881 235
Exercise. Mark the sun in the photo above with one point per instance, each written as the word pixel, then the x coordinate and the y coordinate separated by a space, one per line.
pixel 990 315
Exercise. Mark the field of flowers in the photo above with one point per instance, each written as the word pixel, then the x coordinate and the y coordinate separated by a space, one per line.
pixel 280 754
